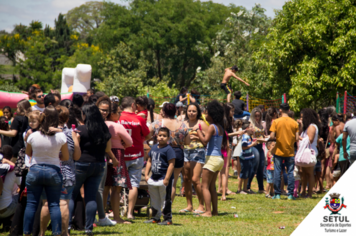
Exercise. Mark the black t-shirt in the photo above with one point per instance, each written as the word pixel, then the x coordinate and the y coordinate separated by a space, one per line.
pixel 20 124
pixel 239 106
pixel 160 158
pixel 90 152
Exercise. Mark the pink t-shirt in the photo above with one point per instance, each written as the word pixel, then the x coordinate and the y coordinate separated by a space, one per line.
pixel 118 133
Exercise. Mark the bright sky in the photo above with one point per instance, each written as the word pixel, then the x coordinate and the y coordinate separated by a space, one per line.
pixel 24 11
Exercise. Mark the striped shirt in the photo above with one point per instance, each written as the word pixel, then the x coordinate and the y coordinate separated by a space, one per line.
pixel 68 167
pixel 247 153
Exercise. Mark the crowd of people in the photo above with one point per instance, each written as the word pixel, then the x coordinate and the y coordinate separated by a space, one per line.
pixel 68 161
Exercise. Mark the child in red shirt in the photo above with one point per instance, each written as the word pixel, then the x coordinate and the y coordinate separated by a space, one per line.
pixel 141 107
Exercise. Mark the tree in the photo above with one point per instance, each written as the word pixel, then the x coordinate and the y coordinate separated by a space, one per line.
pixel 243 33
pixel 121 72
pixel 311 50
pixel 164 32
pixel 37 66
pixel 85 18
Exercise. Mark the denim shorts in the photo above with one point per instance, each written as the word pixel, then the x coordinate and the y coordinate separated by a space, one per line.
pixel 270 175
pixel 246 168
pixel 196 155
pixel 134 167
pixel 317 167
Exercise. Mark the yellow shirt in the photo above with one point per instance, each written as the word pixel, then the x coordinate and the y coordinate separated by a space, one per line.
pixel 285 129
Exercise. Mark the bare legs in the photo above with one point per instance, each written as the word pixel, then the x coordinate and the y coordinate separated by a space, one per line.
pixel 192 172
pixel 228 97
pixel 132 201
pixel 174 187
pixel 308 177
pixel 209 193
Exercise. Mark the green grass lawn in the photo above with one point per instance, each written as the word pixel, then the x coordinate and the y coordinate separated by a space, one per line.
pixel 257 215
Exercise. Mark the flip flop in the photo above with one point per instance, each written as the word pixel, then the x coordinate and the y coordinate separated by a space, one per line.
pixel 184 211
pixel 197 212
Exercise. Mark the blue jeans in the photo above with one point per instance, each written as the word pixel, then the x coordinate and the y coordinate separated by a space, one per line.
pixel 89 174
pixel 245 113
pixel 258 166
pixel 49 178
pixel 289 163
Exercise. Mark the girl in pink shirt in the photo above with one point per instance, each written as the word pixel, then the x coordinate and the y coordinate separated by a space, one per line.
pixel 118 177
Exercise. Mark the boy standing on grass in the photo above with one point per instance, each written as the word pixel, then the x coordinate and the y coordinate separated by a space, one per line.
pixel 161 160
pixel 246 159
pixel 270 169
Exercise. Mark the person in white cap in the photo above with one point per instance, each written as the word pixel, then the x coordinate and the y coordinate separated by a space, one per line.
pixel 180 111
pixel 114 99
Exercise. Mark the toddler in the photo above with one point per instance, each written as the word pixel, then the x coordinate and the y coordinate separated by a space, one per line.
pixel 4 125
pixel 161 160
pixel 141 107
pixel 238 148
pixel 246 158
pixel 270 169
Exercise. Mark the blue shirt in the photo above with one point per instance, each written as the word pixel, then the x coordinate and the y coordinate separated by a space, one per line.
pixel 247 153
pixel 159 159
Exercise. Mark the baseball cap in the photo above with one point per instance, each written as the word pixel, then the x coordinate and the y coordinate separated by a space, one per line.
pixel 163 104
pixel 114 99
pixel 179 104
pixel 284 106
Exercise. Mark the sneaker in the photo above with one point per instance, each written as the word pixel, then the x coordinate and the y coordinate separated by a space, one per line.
pixel 152 221
pixel 89 232
pixel 166 222
pixel 276 196
pixel 290 197
pixel 106 222
pixel 243 192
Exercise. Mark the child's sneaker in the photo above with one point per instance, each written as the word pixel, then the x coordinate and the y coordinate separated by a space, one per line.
pixel 166 222
pixel 290 197
pixel 152 221
pixel 276 196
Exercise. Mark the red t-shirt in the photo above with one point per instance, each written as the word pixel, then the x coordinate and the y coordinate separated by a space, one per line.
pixel 137 128
pixel 144 112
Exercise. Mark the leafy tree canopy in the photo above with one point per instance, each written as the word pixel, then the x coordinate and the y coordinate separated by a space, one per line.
pixel 311 51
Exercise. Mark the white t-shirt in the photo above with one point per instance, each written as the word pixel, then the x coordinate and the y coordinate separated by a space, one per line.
pixel 36 108
pixel 6 196
pixel 45 149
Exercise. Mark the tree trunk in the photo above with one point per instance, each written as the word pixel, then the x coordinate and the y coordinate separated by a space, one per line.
pixel 159 65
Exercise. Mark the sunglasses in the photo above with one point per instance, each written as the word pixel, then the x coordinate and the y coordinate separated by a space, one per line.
pixel 40 96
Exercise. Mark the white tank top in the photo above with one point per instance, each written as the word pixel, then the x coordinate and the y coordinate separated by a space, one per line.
pixel 315 141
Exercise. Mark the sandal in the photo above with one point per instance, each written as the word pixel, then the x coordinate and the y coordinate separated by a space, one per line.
pixel 184 211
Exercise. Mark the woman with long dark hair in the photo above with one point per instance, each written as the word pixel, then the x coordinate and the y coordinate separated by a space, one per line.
pixel 226 151
pixel 214 138
pixel 194 156
pixel 152 116
pixel 271 115
pixel 67 170
pixel 310 130
pixel 118 177
pixel 259 160
pixel 95 141
pixel 18 127
pixel 324 134
pixel 104 105
pixel 178 132
pixel 43 148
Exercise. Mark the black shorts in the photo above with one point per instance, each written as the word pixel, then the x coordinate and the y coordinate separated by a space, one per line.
pixel 226 88
pixel 179 157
